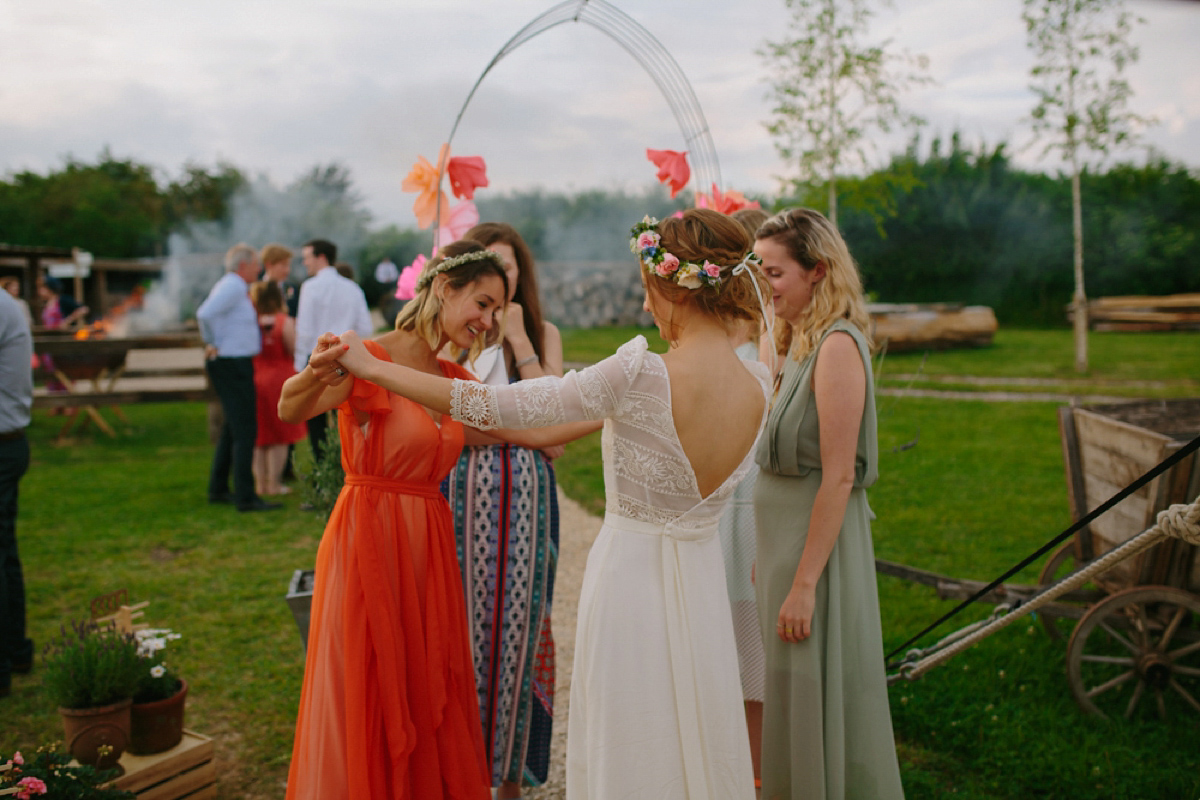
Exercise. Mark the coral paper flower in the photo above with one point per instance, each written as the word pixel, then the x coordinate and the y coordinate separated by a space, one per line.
pixel 726 203
pixel 406 286
pixel 467 173
pixel 672 166
pixel 454 224
pixel 423 179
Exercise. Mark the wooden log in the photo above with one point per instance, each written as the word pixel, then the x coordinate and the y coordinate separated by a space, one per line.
pixel 932 326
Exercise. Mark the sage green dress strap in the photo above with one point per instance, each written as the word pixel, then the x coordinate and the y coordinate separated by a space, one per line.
pixel 827 728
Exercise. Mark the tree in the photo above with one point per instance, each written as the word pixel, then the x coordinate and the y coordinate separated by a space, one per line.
pixel 831 88
pixel 1081 48
pixel 112 208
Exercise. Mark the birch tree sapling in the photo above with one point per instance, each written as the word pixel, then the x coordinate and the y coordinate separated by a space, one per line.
pixel 1081 49
pixel 831 88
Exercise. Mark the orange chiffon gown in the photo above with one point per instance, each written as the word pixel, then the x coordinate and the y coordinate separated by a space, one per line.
pixel 389 707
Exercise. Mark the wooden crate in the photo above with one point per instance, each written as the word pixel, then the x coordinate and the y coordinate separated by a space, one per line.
pixel 1107 448
pixel 185 771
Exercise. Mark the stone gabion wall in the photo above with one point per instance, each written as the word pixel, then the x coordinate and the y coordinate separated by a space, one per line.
pixel 591 294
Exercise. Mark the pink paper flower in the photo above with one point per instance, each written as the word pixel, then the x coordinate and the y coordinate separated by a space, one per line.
pixel 725 202
pixel 667 266
pixel 29 787
pixel 673 168
pixel 459 220
pixel 406 286
pixel 466 173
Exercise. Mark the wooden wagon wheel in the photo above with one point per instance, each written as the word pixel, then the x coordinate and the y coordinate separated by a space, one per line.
pixel 1060 564
pixel 1138 652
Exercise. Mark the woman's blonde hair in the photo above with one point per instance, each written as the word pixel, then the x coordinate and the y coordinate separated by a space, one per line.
pixel 422 314
pixel 811 239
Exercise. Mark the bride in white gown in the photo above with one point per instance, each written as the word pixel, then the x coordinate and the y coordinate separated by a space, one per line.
pixel 656 701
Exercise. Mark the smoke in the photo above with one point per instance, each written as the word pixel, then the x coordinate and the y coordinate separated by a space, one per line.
pixel 320 205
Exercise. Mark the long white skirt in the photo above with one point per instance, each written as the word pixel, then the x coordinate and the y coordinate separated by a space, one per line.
pixel 656 700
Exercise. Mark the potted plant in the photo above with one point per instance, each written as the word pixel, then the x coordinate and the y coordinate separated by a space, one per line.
pixel 91 671
pixel 158 702
pixel 49 774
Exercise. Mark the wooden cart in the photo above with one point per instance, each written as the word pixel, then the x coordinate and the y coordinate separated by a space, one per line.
pixel 1133 630
pixel 1137 650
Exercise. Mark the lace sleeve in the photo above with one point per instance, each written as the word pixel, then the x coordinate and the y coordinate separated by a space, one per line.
pixel 592 393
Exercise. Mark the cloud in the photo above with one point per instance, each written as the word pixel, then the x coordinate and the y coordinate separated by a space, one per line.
pixel 277 87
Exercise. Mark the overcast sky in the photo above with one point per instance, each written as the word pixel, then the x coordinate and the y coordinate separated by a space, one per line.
pixel 276 87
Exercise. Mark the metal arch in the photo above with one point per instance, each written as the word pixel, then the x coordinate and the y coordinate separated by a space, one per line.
pixel 648 51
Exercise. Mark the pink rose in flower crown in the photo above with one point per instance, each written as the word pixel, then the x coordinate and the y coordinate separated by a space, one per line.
pixel 667 266
pixel 712 270
pixel 28 787
pixel 648 239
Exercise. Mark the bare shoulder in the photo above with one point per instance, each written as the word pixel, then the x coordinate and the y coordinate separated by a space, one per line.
pixel 549 329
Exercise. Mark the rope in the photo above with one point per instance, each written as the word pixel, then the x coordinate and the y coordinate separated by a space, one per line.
pixel 1160 468
pixel 1181 521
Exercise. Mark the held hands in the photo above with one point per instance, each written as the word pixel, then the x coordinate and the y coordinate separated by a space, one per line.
pixel 795 616
pixel 324 360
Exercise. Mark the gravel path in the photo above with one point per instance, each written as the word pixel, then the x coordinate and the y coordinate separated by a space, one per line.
pixel 577 530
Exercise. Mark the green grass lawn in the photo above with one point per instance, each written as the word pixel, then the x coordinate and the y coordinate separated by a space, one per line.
pixel 982 487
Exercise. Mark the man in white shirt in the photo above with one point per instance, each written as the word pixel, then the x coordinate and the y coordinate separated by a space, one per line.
pixel 328 303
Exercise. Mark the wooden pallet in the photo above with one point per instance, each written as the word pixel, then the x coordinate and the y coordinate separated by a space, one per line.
pixel 185 771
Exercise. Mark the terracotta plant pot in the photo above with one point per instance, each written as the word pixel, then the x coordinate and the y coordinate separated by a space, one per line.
pixel 86 730
pixel 158 725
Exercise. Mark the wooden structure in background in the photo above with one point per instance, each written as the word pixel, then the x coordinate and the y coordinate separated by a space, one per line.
pixel 1174 312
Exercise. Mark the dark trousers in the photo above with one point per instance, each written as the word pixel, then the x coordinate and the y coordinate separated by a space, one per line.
pixel 233 381
pixel 316 435
pixel 15 648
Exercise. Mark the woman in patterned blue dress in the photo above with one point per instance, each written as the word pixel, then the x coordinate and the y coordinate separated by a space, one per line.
pixel 505 507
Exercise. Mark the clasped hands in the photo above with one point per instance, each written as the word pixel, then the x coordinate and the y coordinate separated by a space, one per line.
pixel 335 358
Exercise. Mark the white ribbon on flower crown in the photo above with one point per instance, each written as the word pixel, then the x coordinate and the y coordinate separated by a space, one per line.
pixel 751 261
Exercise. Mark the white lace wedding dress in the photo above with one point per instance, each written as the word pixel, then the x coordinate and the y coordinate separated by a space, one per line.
pixel 656 699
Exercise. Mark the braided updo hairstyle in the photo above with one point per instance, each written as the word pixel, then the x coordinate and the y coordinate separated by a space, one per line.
pixel 700 235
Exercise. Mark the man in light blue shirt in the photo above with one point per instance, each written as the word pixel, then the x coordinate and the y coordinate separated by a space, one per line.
pixel 229 326
pixel 328 303
pixel 16 398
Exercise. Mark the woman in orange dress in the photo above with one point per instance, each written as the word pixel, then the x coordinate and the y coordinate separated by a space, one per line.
pixel 389 707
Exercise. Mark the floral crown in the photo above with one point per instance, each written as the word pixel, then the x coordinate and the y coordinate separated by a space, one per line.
pixel 457 261
pixel 646 243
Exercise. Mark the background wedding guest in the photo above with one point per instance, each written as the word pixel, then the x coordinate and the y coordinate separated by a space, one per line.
pixel 58 310
pixel 505 505
pixel 272 366
pixel 12 285
pixel 277 268
pixel 229 327
pixel 16 399
pixel 737 545
pixel 827 728
pixel 329 303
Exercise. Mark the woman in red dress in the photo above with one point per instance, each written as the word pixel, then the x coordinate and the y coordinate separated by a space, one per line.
pixel 272 367
pixel 388 707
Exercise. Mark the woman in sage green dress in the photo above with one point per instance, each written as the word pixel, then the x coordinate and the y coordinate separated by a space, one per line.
pixel 827 729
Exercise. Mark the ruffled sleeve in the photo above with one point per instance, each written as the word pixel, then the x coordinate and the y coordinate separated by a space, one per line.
pixel 367 397
pixel 596 392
